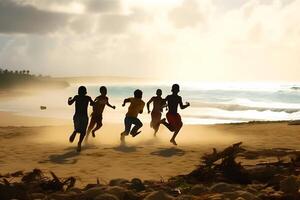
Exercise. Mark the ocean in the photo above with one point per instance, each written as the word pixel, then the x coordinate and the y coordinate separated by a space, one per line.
pixel 211 103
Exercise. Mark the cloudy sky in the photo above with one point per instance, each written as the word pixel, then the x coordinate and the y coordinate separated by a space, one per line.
pixel 224 40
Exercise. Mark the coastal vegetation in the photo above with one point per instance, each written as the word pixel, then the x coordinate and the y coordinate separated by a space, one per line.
pixel 20 79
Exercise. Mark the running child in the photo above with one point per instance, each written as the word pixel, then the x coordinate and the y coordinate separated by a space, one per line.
pixel 96 117
pixel 136 107
pixel 174 123
pixel 80 117
pixel 158 105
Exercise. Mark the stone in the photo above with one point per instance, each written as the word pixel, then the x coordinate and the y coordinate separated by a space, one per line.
pixel 37 195
pixel 61 196
pixel 185 197
pixel 198 189
pixel 117 191
pixel 137 184
pixel 223 187
pixel 240 193
pixel 240 198
pixel 118 182
pixel 215 197
pixel 158 195
pixel 106 197
pixel 93 192
pixel 289 185
pixel 76 190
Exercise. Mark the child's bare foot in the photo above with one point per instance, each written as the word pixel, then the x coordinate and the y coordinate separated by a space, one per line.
pixel 162 121
pixel 123 136
pixel 173 141
pixel 72 137
pixel 136 133
pixel 79 148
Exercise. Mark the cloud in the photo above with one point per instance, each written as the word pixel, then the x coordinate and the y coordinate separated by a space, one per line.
pixel 187 14
pixel 113 23
pixel 22 18
pixel 103 6
pixel 121 23
pixel 244 42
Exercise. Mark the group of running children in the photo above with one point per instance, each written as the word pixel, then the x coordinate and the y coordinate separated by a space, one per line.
pixel 171 103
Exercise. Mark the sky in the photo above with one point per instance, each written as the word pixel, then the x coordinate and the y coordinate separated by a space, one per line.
pixel 209 40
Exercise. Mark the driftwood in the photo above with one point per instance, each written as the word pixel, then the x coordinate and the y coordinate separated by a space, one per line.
pixel 228 170
pixel 32 182
pixel 222 166
pixel 228 155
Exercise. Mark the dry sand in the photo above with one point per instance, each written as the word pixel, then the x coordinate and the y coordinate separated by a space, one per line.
pixel 146 157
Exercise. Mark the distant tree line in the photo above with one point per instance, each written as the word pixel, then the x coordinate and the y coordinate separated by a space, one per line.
pixel 19 78
pixel 19 72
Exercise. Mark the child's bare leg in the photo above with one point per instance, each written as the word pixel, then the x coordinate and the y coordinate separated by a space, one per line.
pixel 72 136
pixel 156 127
pixel 166 124
pixel 91 126
pixel 174 136
pixel 80 141
pixel 98 126
pixel 127 124
pixel 137 125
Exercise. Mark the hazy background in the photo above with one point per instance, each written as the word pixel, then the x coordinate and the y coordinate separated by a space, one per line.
pixel 232 40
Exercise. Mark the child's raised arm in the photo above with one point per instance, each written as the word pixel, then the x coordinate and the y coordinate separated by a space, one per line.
pixel 148 104
pixel 109 105
pixel 126 101
pixel 71 100
pixel 183 106
pixel 91 102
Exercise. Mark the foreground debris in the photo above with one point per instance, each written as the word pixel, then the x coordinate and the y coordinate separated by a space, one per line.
pixel 218 177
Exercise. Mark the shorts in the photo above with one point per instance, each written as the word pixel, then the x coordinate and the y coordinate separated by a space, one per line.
pixel 96 117
pixel 155 118
pixel 174 120
pixel 80 123
pixel 129 121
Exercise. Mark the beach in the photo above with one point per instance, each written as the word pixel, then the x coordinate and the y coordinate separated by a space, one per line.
pixel 37 144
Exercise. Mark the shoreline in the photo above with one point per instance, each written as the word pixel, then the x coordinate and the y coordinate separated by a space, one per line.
pixel 8 119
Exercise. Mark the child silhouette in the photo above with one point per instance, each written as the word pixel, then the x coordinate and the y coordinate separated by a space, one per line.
pixel 96 117
pixel 136 107
pixel 158 105
pixel 80 117
pixel 174 123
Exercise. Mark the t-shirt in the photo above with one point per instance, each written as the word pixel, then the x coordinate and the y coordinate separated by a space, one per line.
pixel 136 106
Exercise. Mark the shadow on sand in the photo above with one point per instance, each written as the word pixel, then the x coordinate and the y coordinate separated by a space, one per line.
pixel 65 158
pixel 69 157
pixel 168 152
pixel 125 149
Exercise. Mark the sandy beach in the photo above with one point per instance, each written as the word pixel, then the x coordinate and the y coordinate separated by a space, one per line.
pixel 30 145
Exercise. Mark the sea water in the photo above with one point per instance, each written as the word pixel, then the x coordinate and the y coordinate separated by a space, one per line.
pixel 211 103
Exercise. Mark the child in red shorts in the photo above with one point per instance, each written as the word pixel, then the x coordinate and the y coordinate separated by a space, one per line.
pixel 174 123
